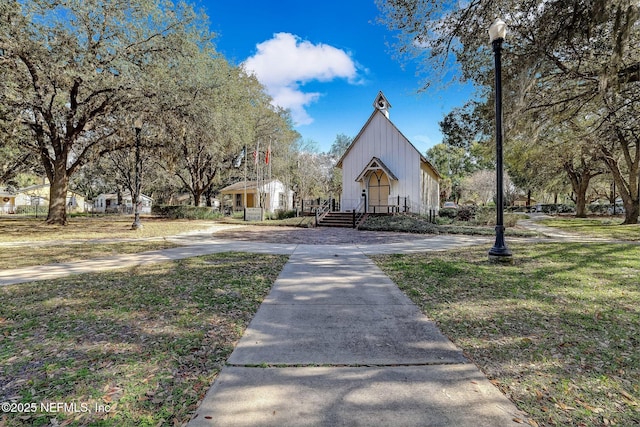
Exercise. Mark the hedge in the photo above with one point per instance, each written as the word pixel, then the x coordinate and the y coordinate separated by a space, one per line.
pixel 185 212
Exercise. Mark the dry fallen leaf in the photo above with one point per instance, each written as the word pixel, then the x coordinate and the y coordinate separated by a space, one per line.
pixel 565 407
pixel 628 396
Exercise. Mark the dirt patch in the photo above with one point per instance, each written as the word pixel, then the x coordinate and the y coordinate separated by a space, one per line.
pixel 315 236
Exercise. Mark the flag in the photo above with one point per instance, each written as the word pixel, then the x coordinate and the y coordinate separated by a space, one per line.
pixel 238 161
pixel 268 155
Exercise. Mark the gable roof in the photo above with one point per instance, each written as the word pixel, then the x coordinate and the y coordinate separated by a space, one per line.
pixel 250 185
pixel 376 164
pixel 37 187
pixel 355 140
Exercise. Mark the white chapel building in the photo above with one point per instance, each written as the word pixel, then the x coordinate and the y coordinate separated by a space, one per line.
pixel 384 166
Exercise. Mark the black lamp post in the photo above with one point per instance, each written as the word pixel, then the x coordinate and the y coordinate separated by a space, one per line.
pixel 499 252
pixel 137 184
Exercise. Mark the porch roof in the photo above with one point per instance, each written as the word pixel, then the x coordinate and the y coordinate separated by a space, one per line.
pixel 376 164
pixel 239 187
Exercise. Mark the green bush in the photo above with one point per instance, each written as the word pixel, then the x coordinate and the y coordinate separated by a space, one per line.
pixel 486 215
pixel 466 213
pixel 283 214
pixel 405 222
pixel 448 212
pixel 557 208
pixel 185 212
pixel 600 209
pixel 441 220
pixel 30 210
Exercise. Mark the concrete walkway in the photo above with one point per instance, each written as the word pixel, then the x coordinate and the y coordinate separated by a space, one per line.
pixel 205 242
pixel 336 343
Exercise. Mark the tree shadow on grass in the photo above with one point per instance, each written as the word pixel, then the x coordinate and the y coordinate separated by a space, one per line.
pixel 557 329
pixel 147 341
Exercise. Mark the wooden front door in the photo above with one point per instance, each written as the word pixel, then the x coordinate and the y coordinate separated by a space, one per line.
pixel 379 191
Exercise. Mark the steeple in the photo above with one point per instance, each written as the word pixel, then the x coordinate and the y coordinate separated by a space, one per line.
pixel 381 103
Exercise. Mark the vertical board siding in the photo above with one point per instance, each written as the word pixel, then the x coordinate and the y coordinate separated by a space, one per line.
pixel 380 138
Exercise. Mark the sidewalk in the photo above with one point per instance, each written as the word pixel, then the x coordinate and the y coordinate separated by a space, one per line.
pixel 553 233
pixel 203 243
pixel 337 343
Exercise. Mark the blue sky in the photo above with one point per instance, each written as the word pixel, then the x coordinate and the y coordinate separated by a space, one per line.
pixel 326 61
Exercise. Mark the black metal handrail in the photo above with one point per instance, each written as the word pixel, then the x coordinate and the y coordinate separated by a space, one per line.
pixel 359 211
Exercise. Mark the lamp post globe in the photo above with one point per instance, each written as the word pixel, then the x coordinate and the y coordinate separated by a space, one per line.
pixel 499 252
pixel 497 30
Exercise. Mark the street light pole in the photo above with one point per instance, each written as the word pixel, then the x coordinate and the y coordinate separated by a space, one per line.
pixel 137 184
pixel 499 252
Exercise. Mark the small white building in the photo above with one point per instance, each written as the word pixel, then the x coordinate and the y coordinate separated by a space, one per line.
pixel 108 202
pixel 273 194
pixel 7 202
pixel 38 195
pixel 382 164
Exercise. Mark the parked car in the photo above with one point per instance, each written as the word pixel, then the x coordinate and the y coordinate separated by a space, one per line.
pixel 449 205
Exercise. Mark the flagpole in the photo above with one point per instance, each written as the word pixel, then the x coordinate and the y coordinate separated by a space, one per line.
pixel 244 149
pixel 270 160
pixel 257 166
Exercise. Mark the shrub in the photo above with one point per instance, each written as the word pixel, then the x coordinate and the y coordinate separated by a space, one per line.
pixel 29 210
pixel 443 220
pixel 485 215
pixel 466 213
pixel 406 222
pixel 448 212
pixel 283 214
pixel 185 212
pixel 599 209
pixel 556 208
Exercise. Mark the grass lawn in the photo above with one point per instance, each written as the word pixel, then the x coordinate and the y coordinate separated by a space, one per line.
pixel 135 347
pixel 25 256
pixel 16 229
pixel 558 331
pixel 301 221
pixel 609 228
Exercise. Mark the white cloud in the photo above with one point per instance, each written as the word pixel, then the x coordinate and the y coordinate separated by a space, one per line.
pixel 285 63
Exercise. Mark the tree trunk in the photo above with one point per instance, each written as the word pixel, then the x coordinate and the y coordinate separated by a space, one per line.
pixel 581 204
pixel 580 178
pixel 631 212
pixel 58 195
pixel 629 189
pixel 197 195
